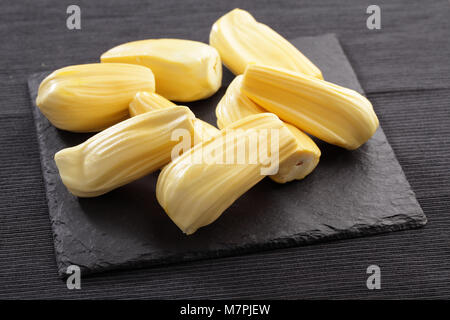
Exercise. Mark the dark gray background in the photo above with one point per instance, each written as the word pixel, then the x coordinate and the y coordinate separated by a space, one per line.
pixel 404 69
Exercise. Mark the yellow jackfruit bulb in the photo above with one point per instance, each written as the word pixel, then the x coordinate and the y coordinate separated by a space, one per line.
pixel 184 70
pixel 204 130
pixel 235 105
pixel 122 153
pixel 302 162
pixel 148 101
pixel 197 187
pixel 91 97
pixel 332 113
pixel 241 40
pixel 145 101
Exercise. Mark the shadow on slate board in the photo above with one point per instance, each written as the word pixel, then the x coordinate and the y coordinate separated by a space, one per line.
pixel 351 193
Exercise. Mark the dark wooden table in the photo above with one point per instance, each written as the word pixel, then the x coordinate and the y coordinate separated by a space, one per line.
pixel 404 68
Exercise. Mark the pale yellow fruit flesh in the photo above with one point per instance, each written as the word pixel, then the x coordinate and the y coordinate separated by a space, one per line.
pixel 235 105
pixel 91 97
pixel 332 113
pixel 122 153
pixel 146 102
pixel 241 40
pixel 196 194
pixel 184 70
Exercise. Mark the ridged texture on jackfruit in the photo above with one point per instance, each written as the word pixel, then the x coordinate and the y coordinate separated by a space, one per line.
pixel 91 97
pixel 235 105
pixel 122 153
pixel 194 194
pixel 332 113
pixel 146 102
pixel 241 40
pixel 184 70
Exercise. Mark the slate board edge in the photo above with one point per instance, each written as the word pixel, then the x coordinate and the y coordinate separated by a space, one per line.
pixel 287 242
pixel 61 265
pixel 282 243
pixel 63 262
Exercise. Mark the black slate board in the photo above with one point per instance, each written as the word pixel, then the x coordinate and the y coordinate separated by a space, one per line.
pixel 350 194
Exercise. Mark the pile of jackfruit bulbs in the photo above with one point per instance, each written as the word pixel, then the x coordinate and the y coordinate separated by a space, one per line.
pixel 127 99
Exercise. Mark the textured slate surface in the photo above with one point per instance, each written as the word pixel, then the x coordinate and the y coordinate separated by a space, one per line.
pixel 350 194
pixel 414 263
